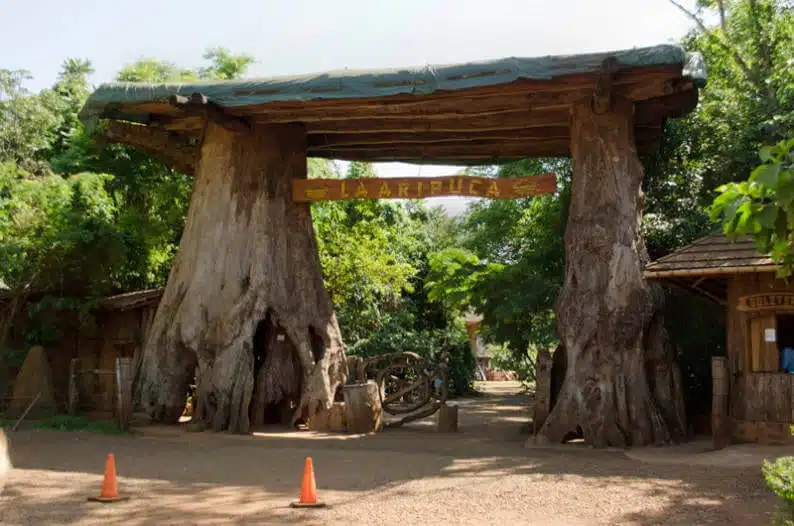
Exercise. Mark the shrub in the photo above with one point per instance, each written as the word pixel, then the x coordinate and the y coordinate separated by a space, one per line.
pixel 779 476
pixel 80 423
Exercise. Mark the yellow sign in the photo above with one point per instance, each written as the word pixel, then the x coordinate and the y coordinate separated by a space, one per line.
pixel 770 301
pixel 305 190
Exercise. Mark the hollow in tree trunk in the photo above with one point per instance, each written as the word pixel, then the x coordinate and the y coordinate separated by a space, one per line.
pixel 606 311
pixel 247 260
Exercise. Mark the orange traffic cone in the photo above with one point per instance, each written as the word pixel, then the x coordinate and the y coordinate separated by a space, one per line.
pixel 308 489
pixel 110 487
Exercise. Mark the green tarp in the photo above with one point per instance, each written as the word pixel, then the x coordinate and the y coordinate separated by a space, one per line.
pixel 345 84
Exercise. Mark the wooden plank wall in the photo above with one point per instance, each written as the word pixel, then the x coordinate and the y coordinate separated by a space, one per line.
pixel 118 334
pixel 760 402
pixel 767 397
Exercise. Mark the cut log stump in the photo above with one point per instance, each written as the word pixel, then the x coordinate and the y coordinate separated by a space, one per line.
pixel 447 419
pixel 363 411
pixel 331 420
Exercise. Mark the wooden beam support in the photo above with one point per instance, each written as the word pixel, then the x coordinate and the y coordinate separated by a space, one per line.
pixel 497 104
pixel 198 104
pixel 670 106
pixel 602 97
pixel 332 141
pixel 171 149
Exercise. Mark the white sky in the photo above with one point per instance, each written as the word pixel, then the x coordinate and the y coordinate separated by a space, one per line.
pixel 304 36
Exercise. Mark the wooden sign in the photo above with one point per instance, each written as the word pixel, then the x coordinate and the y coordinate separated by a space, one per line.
pixel 305 190
pixel 770 301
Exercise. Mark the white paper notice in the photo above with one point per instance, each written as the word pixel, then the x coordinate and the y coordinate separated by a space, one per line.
pixel 770 335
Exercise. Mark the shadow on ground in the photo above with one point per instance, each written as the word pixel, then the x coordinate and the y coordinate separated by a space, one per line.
pixel 478 476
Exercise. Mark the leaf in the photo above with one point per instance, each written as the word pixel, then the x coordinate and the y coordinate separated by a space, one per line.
pixel 766 174
pixel 767 217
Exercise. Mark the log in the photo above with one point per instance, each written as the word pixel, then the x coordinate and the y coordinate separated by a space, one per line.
pixel 447 419
pixel 606 307
pixel 124 392
pixel 198 104
pixel 363 412
pixel 172 149
pixel 720 428
pixel 74 391
pixel 247 252
pixel 331 420
pixel 543 365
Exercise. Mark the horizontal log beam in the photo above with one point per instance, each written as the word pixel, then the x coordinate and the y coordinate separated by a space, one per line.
pixel 198 105
pixel 305 190
pixel 518 119
pixel 428 109
pixel 331 141
pixel 173 150
pixel 464 153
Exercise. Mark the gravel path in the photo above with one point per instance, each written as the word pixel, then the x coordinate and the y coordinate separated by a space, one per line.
pixel 482 475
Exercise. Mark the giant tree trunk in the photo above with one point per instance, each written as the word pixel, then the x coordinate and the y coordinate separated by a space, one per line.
pixel 248 259
pixel 606 308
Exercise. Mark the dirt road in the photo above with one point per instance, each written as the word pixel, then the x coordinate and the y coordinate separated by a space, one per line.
pixel 481 475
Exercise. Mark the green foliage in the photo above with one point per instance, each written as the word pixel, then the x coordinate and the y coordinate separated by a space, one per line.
pixel 375 256
pixel 523 364
pixel 510 267
pixel 763 206
pixel 779 477
pixel 28 123
pixel 80 423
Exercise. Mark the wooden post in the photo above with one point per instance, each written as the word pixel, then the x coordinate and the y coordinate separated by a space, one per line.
pixel 124 392
pixel 74 391
pixel 542 389
pixel 719 409
pixel 363 412
pixel 447 418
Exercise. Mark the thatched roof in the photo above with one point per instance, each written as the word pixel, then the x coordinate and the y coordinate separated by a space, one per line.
pixel 472 113
pixel 713 255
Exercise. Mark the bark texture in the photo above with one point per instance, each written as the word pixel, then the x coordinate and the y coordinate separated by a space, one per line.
pixel 247 260
pixel 363 411
pixel 616 365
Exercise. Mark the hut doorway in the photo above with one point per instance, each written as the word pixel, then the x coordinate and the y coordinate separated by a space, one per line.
pixel 785 341
pixel 277 374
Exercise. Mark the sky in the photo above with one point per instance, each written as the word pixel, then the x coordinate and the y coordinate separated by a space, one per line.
pixel 307 36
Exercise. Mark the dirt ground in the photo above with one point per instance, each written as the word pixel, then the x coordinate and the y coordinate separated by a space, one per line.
pixel 481 475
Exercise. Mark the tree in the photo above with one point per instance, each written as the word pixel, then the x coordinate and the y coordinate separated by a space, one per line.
pixel 224 65
pixel 28 122
pixel 270 333
pixel 510 265
pixel 763 206
pixel 58 243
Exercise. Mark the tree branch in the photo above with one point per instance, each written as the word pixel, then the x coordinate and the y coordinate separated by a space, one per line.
pixel 732 51
pixel 171 149
pixel 723 25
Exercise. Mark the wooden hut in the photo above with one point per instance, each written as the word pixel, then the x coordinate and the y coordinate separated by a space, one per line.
pixel 119 325
pixel 749 382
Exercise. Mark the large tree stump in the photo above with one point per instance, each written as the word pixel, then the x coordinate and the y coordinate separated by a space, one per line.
pixel 606 308
pixel 248 258
pixel 363 411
